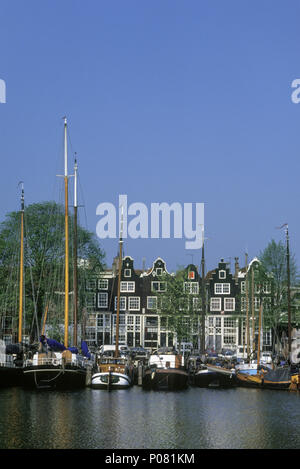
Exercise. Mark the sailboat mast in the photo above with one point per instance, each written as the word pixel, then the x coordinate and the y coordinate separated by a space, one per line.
pixel 21 269
pixel 75 258
pixel 253 310
pixel 66 338
pixel 119 285
pixel 247 309
pixel 259 332
pixel 288 289
pixel 203 296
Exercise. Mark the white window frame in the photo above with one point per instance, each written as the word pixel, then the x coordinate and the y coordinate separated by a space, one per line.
pixel 159 286
pixel 105 280
pixel 100 321
pixel 222 272
pixel 127 287
pixel 189 287
pixel 130 320
pixel 221 288
pixel 127 272
pixel 229 339
pixel 122 303
pixel 103 295
pixel 244 303
pixel 137 323
pixel 230 323
pixel 136 307
pixel 122 322
pixel 229 300
pixel 152 298
pixel 215 308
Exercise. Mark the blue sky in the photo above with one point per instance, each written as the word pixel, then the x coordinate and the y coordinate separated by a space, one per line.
pixel 186 101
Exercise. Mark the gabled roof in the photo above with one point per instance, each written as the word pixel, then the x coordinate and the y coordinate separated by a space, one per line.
pixel 242 272
pixel 162 265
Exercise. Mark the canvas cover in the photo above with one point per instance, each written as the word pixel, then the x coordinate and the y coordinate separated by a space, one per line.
pixel 278 375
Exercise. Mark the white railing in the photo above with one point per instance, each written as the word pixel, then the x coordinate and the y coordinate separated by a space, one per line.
pixel 56 361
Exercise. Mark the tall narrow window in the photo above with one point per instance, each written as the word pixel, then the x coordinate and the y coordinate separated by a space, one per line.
pixel 102 300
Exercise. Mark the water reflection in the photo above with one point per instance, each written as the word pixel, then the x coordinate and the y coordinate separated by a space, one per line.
pixel 191 419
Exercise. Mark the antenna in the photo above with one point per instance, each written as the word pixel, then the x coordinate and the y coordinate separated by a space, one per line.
pixel 66 147
pixel 75 181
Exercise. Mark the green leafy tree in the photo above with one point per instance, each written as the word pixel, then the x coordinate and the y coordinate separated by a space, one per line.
pixel 43 262
pixel 273 259
pixel 180 307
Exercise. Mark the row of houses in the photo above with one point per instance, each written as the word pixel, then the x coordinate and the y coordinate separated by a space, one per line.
pixel 229 298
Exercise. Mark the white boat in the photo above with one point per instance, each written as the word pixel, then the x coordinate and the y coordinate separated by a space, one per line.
pixel 109 350
pixel 249 368
pixel 113 372
pixel 266 358
pixel 114 368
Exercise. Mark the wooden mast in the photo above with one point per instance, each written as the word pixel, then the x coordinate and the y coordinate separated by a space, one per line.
pixel 253 309
pixel 119 285
pixel 288 289
pixel 21 269
pixel 45 319
pixel 259 332
pixel 75 258
pixel 203 296
pixel 247 310
pixel 66 338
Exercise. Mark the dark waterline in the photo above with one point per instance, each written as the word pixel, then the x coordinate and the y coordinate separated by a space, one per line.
pixel 136 419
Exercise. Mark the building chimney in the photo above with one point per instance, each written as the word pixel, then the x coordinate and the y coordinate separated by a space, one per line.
pixel 236 268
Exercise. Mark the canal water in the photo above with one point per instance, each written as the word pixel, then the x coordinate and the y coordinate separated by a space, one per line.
pixel 137 419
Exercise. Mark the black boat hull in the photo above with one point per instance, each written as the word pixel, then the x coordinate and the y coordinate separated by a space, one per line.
pixel 165 379
pixel 54 377
pixel 205 379
pixel 214 379
pixel 11 376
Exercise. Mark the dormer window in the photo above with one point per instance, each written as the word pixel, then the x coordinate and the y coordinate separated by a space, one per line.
pixel 222 273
